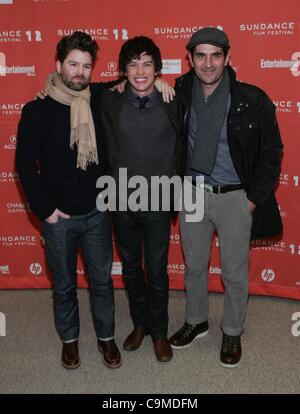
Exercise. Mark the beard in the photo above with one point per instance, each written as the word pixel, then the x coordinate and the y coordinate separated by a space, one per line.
pixel 78 85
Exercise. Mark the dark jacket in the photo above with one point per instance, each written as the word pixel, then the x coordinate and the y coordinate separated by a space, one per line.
pixel 46 164
pixel 111 105
pixel 254 143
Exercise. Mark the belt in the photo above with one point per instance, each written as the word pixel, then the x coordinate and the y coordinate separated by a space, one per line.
pixel 218 189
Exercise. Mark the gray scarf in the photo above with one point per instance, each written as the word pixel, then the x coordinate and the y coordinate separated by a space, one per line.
pixel 210 119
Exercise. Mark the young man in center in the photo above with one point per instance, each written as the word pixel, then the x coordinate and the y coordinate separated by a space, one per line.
pixel 143 137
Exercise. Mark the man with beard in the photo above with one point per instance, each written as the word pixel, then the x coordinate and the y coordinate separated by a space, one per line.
pixel 60 155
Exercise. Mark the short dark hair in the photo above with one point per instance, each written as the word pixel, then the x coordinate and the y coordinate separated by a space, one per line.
pixel 77 40
pixel 133 48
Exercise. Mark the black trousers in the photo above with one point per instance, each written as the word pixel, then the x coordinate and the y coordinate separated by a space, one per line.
pixel 148 296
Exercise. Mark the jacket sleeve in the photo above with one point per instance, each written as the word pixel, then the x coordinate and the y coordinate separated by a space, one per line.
pixel 267 167
pixel 98 87
pixel 29 136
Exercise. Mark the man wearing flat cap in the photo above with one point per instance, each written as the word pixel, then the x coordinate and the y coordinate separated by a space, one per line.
pixel 234 145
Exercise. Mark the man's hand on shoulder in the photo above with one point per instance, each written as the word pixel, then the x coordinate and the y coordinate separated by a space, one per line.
pixel 165 89
pixel 41 95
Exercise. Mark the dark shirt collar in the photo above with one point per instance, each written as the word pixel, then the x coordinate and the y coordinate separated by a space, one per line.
pixel 153 97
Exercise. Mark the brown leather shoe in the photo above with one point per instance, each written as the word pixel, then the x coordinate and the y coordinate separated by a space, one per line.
pixel 111 354
pixel 134 339
pixel 70 356
pixel 163 350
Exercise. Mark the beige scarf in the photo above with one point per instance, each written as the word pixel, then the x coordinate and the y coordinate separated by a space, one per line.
pixel 82 124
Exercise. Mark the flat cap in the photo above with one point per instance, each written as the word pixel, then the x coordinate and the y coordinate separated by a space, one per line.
pixel 209 35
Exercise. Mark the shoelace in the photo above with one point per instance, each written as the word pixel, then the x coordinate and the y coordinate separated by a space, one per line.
pixel 187 329
pixel 230 343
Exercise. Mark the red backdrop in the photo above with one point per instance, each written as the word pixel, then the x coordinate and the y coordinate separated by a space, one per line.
pixel 265 51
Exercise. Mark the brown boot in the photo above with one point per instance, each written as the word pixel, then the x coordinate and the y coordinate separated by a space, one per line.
pixel 70 356
pixel 111 354
pixel 162 349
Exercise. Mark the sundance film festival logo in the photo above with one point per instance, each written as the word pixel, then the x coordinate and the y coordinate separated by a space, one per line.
pixel 9 177
pixel 269 245
pixel 2 324
pixel 97 33
pixel 268 275
pixel 284 179
pixel 112 70
pixel 11 109
pixel 284 106
pixel 12 36
pixel 178 32
pixel 36 269
pixel 269 29
pixel 17 240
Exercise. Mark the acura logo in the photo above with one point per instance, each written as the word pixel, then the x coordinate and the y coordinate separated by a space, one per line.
pixel 112 66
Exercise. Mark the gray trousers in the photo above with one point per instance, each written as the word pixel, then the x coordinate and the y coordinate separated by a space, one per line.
pixel 230 216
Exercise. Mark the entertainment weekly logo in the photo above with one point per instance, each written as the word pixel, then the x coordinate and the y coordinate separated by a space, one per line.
pixel 97 33
pixel 14 70
pixel 269 28
pixel 214 270
pixel 293 65
pixel 17 36
pixel 11 109
pixel 177 32
pixel 18 240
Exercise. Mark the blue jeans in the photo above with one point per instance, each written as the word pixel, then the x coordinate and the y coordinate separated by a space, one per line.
pixel 93 232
